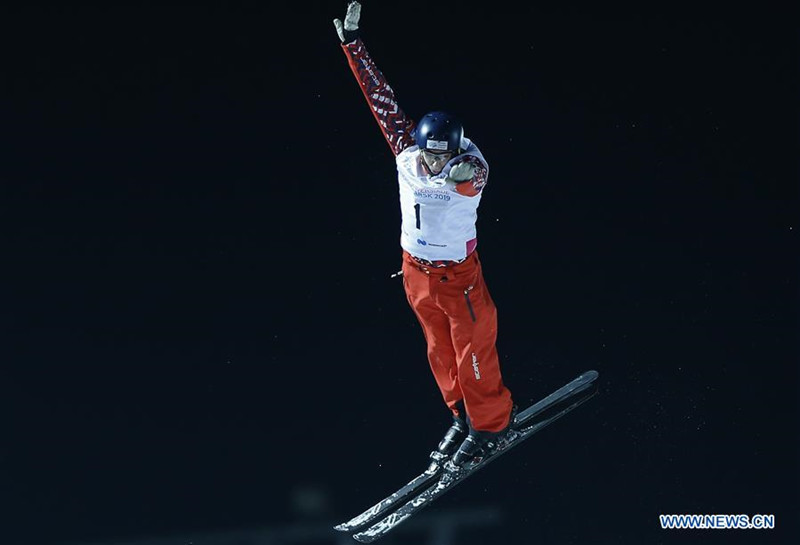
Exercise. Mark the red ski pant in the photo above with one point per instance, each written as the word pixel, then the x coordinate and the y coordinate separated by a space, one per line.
pixel 459 320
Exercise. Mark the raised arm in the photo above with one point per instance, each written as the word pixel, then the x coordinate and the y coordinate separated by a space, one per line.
pixel 393 122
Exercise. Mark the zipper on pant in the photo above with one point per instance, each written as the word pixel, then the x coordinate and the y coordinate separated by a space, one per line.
pixel 469 303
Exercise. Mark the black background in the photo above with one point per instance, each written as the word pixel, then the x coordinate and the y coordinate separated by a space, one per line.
pixel 200 219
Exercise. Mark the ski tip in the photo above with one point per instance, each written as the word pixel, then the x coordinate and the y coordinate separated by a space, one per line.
pixel 591 375
pixel 340 527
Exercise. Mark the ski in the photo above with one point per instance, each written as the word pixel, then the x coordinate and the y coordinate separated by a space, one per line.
pixel 528 422
pixel 579 384
pixel 397 498
pixel 430 475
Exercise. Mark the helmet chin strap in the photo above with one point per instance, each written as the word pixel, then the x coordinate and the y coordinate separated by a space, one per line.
pixel 425 166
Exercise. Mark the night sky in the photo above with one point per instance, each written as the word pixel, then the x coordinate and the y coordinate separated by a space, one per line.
pixel 200 219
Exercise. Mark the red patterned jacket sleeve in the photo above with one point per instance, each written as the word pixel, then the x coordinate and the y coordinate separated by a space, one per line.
pixel 395 125
pixel 472 187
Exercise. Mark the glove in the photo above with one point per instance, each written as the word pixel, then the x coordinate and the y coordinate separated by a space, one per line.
pixel 348 31
pixel 461 172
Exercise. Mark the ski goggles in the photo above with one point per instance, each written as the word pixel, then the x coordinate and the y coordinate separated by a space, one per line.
pixel 439 156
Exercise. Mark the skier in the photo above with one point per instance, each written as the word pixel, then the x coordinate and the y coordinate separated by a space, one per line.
pixel 442 175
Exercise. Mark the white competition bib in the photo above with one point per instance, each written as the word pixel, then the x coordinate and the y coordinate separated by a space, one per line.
pixel 437 221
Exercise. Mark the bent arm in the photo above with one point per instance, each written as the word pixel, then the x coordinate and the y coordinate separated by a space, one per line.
pixel 473 185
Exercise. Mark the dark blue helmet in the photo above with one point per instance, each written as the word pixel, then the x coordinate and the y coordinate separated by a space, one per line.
pixel 439 131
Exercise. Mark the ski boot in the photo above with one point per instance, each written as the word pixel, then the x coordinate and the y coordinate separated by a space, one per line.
pixel 449 443
pixel 480 444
